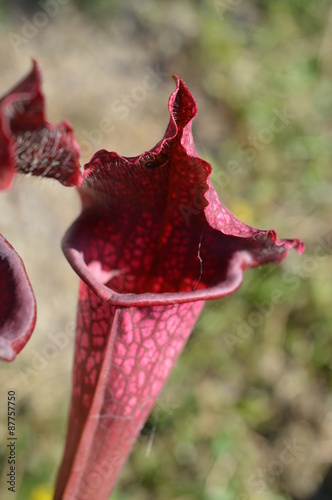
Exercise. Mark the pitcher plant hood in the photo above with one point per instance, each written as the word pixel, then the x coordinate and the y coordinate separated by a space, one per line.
pixel 153 230
pixel 31 145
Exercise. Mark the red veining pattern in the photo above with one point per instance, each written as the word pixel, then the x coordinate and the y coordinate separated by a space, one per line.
pixel 123 357
pixel 152 243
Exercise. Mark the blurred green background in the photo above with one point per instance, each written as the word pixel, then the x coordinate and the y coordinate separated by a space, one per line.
pixel 255 377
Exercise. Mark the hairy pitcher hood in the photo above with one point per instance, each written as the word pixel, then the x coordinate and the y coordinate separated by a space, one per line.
pixel 28 145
